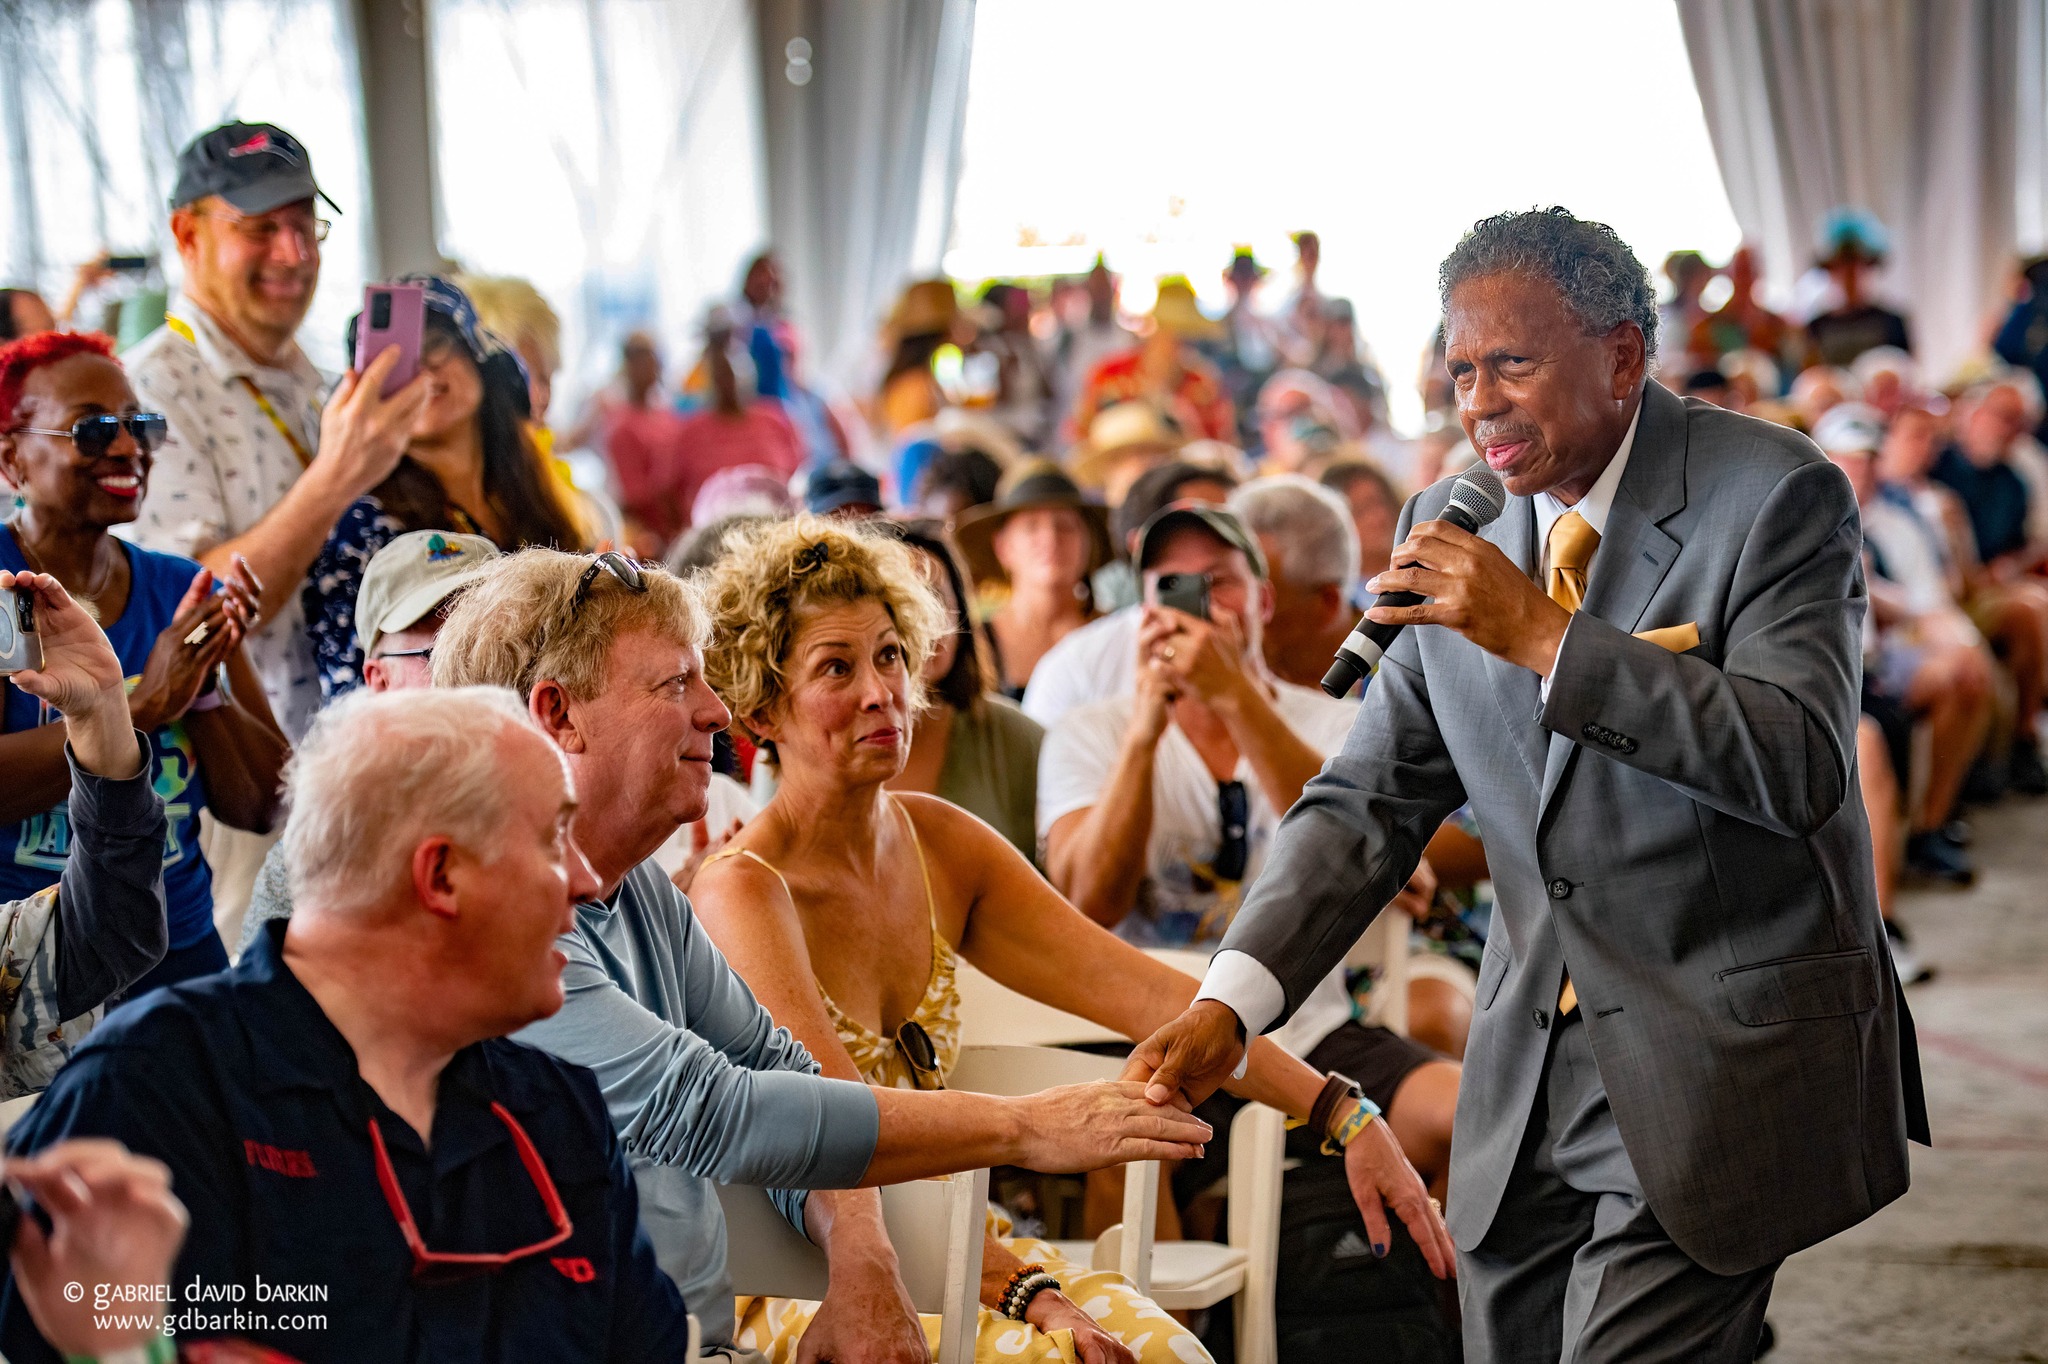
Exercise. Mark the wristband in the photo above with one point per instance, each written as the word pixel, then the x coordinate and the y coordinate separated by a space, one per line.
pixel 212 695
pixel 1355 1121
pixel 1335 1088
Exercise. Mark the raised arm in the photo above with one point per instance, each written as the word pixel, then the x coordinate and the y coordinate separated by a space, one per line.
pixel 110 899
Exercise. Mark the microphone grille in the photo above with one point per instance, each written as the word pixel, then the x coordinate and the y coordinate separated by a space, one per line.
pixel 1481 494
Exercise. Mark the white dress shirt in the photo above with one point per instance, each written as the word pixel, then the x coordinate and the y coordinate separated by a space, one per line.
pixel 1239 980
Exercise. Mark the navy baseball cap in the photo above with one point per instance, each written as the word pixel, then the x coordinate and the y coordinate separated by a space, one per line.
pixel 256 167
pixel 839 485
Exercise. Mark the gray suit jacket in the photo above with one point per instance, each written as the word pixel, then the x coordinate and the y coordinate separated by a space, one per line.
pixel 1684 831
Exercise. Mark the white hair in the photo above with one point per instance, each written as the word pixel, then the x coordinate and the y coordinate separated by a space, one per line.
pixel 1308 527
pixel 379 772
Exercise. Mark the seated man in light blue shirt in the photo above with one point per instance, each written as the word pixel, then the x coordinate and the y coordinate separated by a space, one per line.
pixel 701 1083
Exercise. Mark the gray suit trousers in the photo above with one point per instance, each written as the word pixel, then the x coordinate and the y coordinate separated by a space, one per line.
pixel 1576 1269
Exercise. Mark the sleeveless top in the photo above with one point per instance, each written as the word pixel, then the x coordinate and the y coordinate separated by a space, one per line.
pixel 878 1058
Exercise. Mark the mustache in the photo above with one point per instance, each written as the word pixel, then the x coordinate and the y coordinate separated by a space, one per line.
pixel 1502 435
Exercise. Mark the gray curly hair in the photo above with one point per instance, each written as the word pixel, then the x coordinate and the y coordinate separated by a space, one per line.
pixel 1601 280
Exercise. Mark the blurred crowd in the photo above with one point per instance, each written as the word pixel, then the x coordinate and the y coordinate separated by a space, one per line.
pixel 1009 659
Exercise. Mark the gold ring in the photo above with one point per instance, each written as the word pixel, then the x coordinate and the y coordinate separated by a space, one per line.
pixel 1436 1207
pixel 199 634
pixel 1167 653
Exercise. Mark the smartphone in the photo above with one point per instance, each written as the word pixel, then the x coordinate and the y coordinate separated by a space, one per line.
pixel 128 264
pixel 1188 592
pixel 21 648
pixel 393 315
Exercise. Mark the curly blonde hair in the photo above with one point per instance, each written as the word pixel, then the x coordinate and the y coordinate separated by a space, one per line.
pixel 772 575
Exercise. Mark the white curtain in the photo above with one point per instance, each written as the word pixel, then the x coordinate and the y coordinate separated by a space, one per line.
pixel 1910 109
pixel 606 150
pixel 863 104
pixel 97 96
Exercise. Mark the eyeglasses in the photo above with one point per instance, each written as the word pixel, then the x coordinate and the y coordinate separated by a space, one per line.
pixel 1234 813
pixel 441 1265
pixel 94 436
pixel 619 566
pixel 918 1051
pixel 427 652
pixel 262 230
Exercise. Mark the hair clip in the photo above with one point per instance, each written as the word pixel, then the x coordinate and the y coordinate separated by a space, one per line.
pixel 812 557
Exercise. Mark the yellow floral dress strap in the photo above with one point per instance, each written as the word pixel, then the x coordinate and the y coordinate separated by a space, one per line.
pixel 726 852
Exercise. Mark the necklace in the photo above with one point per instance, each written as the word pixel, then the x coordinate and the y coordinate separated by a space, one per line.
pixel 91 592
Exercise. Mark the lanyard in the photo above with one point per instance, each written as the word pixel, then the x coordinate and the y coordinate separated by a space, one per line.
pixel 305 456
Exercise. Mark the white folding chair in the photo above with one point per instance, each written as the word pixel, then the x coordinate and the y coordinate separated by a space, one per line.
pixel 13 1111
pixel 935 1224
pixel 1177 1275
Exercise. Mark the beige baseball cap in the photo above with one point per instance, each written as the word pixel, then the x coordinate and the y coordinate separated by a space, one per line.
pixel 414 574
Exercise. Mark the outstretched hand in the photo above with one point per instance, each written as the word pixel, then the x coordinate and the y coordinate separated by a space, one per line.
pixel 1189 1058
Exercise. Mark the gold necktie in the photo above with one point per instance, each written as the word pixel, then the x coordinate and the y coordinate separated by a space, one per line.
pixel 1570 551
pixel 1572 542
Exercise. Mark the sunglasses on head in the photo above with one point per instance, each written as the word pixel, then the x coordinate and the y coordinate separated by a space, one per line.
pixel 94 436
pixel 619 566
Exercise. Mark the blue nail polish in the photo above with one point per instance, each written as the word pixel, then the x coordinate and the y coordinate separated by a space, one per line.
pixel 1379 1251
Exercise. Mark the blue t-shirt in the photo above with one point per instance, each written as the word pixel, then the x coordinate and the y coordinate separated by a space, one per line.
pixel 33 852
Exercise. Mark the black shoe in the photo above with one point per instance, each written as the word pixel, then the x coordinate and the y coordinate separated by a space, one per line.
pixel 1930 855
pixel 1906 961
pixel 2024 769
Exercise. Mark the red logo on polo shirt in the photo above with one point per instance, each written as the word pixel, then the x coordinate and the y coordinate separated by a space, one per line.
pixel 277 1160
pixel 576 1269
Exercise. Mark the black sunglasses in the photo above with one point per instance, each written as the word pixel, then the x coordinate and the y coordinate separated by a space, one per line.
pixel 94 436
pixel 915 1046
pixel 619 566
pixel 1234 813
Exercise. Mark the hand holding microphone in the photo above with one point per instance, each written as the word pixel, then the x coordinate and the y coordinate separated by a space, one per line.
pixel 1476 501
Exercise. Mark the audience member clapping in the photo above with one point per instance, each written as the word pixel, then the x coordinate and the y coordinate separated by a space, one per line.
pixel 1038 545
pixel 309 1101
pixel 100 926
pixel 80 455
pixel 847 906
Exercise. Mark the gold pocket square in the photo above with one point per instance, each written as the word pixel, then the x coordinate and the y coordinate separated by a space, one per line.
pixel 1676 638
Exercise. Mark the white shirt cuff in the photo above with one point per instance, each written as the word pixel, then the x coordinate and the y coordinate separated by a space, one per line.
pixel 1543 690
pixel 1241 983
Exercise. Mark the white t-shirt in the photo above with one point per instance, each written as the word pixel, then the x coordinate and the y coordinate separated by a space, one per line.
pixel 1093 663
pixel 1181 903
pixel 1910 553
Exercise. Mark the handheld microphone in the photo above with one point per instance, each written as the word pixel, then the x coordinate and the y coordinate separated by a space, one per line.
pixel 1476 500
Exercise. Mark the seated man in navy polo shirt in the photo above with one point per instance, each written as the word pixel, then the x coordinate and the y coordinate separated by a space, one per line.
pixel 372 1170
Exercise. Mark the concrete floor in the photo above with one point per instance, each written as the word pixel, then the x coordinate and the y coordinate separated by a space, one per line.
pixel 1958 1268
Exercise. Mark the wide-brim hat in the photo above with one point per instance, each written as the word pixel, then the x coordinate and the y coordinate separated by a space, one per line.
pixel 926 308
pixel 1032 485
pixel 1119 430
pixel 1176 311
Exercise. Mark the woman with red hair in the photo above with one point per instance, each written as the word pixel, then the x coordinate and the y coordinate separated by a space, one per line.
pixel 77 452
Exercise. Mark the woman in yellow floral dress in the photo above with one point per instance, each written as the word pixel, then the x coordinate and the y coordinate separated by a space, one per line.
pixel 844 904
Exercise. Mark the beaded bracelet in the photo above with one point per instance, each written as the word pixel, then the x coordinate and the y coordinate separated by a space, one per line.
pixel 1019 1299
pixel 1010 1285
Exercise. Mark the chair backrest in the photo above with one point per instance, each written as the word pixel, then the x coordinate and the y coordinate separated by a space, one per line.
pixel 766 1256
pixel 1026 1070
pixel 995 1014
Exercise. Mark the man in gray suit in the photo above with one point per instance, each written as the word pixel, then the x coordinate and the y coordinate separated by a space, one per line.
pixel 1686 1062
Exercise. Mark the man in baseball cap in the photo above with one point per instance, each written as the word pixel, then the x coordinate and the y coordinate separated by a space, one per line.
pixel 402 602
pixel 254 167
